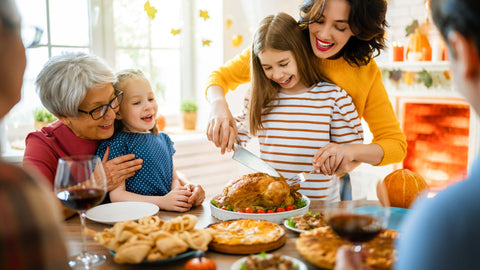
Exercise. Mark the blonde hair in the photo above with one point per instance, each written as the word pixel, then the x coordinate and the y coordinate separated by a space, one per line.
pixel 122 76
pixel 281 32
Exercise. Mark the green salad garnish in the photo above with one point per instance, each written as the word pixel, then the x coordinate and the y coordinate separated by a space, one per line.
pixel 214 202
pixel 301 203
pixel 290 222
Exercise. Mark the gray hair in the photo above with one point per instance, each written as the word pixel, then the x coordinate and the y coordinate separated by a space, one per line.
pixel 65 79
pixel 9 14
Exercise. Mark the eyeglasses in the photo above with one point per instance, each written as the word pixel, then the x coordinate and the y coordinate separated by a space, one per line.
pixel 31 36
pixel 100 111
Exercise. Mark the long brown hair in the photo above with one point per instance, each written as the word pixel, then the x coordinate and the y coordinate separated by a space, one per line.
pixel 366 20
pixel 280 32
pixel 119 85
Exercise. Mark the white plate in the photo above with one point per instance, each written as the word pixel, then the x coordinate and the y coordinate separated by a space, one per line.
pixel 187 254
pixel 112 213
pixel 238 264
pixel 285 223
pixel 272 217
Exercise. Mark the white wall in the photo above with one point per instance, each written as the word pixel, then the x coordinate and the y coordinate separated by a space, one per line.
pixel 245 16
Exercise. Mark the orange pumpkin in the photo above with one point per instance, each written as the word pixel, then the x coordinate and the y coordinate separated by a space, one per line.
pixel 161 122
pixel 420 45
pixel 200 263
pixel 403 187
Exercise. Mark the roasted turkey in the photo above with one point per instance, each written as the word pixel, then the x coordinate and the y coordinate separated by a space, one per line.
pixel 259 189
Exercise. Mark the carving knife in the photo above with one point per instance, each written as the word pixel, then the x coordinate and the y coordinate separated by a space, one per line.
pixel 252 161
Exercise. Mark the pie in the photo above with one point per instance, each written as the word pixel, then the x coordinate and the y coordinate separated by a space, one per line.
pixel 319 247
pixel 246 236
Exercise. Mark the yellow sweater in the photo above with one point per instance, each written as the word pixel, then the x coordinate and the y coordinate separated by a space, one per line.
pixel 364 84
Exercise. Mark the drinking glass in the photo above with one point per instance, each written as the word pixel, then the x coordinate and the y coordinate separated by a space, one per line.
pixel 358 220
pixel 80 184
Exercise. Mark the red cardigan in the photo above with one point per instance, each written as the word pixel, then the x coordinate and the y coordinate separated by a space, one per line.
pixel 44 147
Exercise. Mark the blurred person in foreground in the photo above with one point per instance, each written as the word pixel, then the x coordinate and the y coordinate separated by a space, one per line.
pixel 30 231
pixel 442 232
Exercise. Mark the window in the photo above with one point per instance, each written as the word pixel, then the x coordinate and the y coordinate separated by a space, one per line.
pixel 121 32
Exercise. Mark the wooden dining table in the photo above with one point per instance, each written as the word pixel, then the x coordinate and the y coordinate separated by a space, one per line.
pixel 223 261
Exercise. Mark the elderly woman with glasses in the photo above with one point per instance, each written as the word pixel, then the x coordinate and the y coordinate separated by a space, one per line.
pixel 78 89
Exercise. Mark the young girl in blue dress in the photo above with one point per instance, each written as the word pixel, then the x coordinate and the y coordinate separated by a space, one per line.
pixel 136 132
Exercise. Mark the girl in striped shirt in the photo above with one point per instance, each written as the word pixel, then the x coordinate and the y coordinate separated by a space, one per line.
pixel 292 110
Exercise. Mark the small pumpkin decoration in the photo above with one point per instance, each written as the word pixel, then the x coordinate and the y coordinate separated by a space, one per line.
pixel 419 47
pixel 161 122
pixel 403 187
pixel 200 263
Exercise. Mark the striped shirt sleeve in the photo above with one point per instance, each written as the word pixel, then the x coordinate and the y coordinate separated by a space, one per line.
pixel 346 126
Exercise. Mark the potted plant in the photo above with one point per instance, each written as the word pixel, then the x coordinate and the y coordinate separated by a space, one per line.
pixel 42 118
pixel 189 110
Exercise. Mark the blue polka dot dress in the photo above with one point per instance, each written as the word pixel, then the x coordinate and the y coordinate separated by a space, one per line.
pixel 155 176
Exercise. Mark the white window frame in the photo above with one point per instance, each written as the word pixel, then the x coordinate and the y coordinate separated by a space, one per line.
pixel 102 44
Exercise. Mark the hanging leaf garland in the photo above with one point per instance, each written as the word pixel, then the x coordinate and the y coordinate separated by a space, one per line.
pixel 151 10
pixel 237 40
pixel 426 78
pixel 206 42
pixel 175 32
pixel 395 75
pixel 228 23
pixel 204 14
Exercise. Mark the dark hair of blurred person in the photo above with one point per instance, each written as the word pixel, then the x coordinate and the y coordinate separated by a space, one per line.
pixel 30 230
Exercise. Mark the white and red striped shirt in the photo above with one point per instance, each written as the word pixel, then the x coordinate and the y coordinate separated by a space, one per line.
pixel 298 126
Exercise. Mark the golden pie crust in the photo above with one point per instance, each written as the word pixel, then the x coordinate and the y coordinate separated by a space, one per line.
pixel 319 247
pixel 246 236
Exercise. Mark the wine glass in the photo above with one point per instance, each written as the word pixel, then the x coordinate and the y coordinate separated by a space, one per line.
pixel 358 220
pixel 80 184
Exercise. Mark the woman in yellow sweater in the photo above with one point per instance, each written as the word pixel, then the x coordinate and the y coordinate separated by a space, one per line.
pixel 345 35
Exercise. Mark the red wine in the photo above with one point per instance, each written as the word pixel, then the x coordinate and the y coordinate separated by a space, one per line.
pixel 81 199
pixel 354 227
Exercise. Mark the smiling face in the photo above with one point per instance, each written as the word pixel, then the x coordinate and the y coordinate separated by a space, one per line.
pixel 139 108
pixel 331 32
pixel 281 67
pixel 84 126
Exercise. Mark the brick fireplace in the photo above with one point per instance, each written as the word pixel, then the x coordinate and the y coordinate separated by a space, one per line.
pixel 438 134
